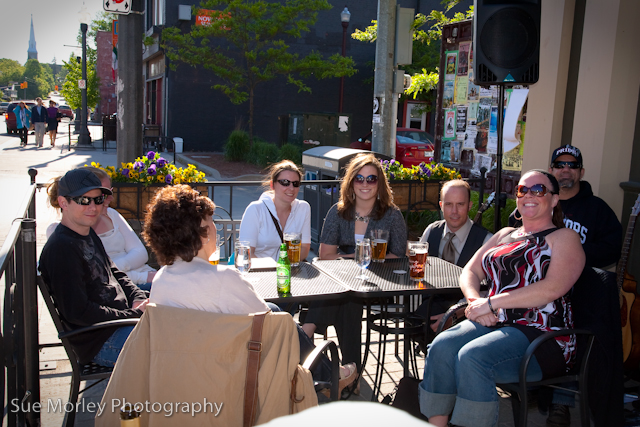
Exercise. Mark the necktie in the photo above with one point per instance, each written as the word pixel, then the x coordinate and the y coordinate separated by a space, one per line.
pixel 449 252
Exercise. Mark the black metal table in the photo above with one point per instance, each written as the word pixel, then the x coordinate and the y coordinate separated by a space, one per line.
pixel 386 280
pixel 307 283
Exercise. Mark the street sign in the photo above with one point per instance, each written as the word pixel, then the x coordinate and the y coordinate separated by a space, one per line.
pixel 122 7
pixel 82 84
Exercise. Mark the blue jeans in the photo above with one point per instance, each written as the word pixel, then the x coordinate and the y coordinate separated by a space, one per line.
pixel 322 370
pixel 145 286
pixel 110 350
pixel 463 365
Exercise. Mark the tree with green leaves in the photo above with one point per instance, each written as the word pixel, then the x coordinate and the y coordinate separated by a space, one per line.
pixel 426 53
pixel 10 71
pixel 246 45
pixel 70 89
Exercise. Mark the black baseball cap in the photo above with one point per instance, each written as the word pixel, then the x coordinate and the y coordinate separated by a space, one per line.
pixel 76 182
pixel 567 149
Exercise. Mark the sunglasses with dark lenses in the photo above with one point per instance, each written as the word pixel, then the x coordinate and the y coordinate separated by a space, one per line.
pixel 537 190
pixel 286 182
pixel 86 201
pixel 371 179
pixel 561 165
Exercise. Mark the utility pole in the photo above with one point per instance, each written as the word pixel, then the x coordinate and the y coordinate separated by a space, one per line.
pixel 383 123
pixel 130 85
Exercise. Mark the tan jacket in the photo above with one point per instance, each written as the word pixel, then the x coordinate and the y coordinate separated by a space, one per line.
pixel 188 368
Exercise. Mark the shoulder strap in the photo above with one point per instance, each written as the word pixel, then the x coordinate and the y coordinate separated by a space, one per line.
pixel 253 366
pixel 275 222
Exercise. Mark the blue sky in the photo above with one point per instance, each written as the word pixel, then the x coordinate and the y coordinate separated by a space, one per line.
pixel 55 24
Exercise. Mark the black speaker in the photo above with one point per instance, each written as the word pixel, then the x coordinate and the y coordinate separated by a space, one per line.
pixel 506 41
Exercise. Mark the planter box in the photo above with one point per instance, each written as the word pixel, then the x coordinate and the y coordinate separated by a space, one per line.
pixel 416 195
pixel 131 200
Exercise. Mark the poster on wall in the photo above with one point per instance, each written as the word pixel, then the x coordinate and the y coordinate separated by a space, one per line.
pixel 492 145
pixel 447 95
pixel 446 151
pixel 451 65
pixel 482 140
pixel 463 58
pixel 461 121
pixel 449 124
pixel 485 92
pixel 461 90
pixel 484 114
pixel 473 91
pixel 472 112
pixel 455 151
pixel 493 123
pixel 470 137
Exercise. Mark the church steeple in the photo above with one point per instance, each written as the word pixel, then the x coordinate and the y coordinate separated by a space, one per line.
pixel 32 53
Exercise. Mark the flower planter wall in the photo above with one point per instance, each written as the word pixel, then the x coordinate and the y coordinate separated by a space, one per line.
pixel 409 195
pixel 131 200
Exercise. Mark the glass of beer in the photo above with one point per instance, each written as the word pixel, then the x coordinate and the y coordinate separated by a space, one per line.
pixel 294 244
pixel 418 253
pixel 379 240
pixel 214 259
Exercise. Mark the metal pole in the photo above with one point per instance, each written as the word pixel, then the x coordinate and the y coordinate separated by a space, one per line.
pixel 84 139
pixel 497 223
pixel 344 52
pixel 30 304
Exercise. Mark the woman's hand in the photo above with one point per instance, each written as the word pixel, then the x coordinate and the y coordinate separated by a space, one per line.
pixel 478 307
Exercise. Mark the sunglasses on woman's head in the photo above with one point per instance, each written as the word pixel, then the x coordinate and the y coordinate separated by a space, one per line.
pixel 371 179
pixel 538 190
pixel 561 165
pixel 286 182
pixel 86 201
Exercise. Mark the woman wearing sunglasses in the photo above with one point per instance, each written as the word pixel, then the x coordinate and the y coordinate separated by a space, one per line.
pixel 530 271
pixel 366 203
pixel 278 211
pixel 119 240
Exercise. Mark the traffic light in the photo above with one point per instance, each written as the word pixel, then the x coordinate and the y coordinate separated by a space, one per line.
pixel 56 88
pixel 21 85
pixel 26 85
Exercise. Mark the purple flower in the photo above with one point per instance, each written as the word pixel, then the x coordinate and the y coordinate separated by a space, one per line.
pixel 391 175
pixel 429 173
pixel 168 179
pixel 161 162
pixel 392 161
pixel 138 166
pixel 125 172
pixel 152 170
pixel 151 155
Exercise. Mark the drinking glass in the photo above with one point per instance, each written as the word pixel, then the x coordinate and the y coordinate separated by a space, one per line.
pixel 242 257
pixel 214 259
pixel 379 240
pixel 418 253
pixel 294 245
pixel 363 256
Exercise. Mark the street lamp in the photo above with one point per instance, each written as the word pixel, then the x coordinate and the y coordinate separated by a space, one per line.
pixel 84 138
pixel 345 16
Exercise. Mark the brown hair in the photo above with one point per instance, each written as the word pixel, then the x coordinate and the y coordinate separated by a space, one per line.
pixel 277 168
pixel 346 204
pixel 52 193
pixel 456 183
pixel 173 223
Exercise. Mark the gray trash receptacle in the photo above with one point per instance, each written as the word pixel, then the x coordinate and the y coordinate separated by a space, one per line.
pixel 325 163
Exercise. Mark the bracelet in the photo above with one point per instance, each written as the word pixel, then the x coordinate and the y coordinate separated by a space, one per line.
pixel 495 313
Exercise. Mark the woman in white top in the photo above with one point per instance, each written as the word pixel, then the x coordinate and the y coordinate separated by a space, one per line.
pixel 119 240
pixel 279 205
pixel 180 230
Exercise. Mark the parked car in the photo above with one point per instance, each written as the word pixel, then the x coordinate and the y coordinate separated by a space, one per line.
pixel 66 111
pixel 10 117
pixel 3 107
pixel 413 146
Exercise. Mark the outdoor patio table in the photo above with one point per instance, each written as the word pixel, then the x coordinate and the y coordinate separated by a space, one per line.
pixel 307 283
pixel 391 279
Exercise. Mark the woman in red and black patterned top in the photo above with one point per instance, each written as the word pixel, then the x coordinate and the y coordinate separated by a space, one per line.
pixel 530 271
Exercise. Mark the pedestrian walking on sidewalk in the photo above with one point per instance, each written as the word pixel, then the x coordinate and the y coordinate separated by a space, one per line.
pixel 23 121
pixel 39 117
pixel 53 117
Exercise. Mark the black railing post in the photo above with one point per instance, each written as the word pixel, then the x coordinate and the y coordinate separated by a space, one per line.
pixel 30 312
pixel 483 177
pixel 32 205
pixel 18 331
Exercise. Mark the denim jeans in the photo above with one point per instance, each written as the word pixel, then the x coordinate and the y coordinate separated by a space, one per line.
pixel 108 354
pixel 322 370
pixel 145 286
pixel 462 367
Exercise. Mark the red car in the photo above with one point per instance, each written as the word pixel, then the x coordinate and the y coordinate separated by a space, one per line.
pixel 66 111
pixel 413 146
pixel 10 117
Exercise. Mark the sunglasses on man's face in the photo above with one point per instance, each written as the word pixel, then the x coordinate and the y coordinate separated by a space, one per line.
pixel 537 190
pixel 86 201
pixel 561 165
pixel 286 182
pixel 371 179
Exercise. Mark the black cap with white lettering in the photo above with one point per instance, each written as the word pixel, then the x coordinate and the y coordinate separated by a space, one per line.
pixel 567 149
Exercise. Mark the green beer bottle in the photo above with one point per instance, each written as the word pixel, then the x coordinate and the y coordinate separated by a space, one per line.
pixel 283 272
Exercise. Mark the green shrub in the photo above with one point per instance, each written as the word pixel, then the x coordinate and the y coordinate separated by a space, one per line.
pixel 237 146
pixel 263 153
pixel 291 152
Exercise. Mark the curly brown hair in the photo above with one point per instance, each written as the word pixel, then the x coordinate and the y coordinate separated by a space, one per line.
pixel 346 204
pixel 173 223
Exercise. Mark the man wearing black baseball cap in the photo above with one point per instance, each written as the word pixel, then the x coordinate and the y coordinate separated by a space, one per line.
pixel 87 286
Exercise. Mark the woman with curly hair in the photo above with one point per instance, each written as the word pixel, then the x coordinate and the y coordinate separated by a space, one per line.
pixel 180 230
pixel 366 203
